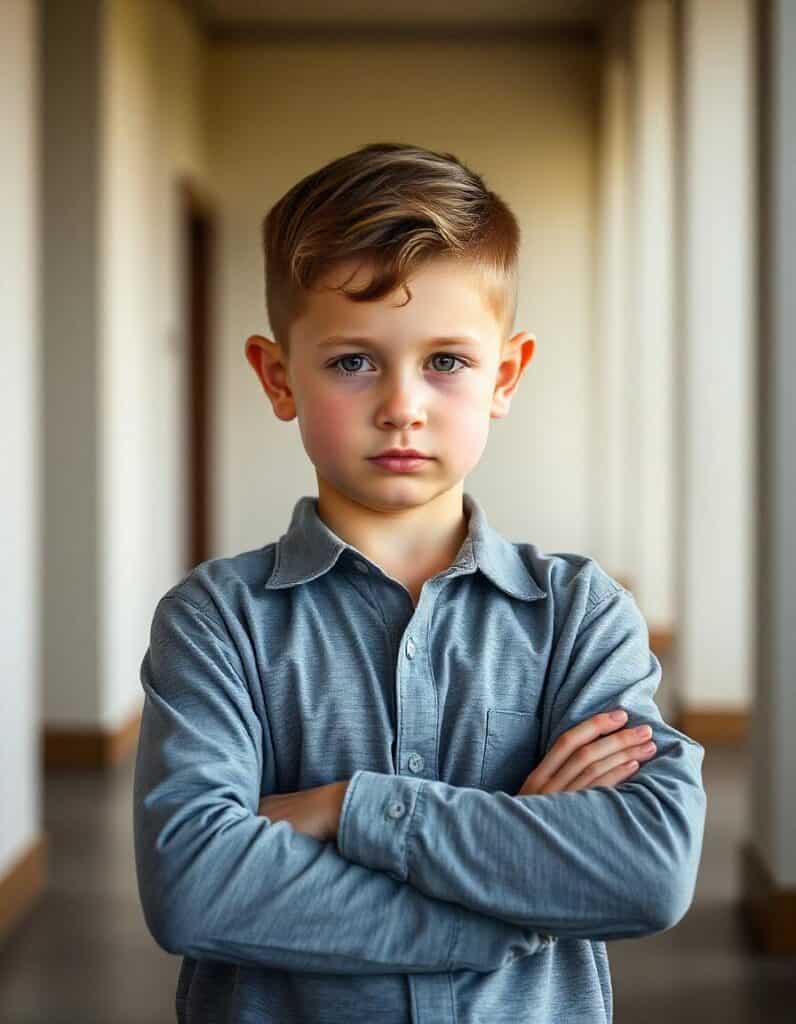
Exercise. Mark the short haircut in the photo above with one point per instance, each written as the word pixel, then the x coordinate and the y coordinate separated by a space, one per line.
pixel 398 206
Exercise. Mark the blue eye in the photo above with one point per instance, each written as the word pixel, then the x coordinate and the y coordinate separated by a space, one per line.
pixel 353 373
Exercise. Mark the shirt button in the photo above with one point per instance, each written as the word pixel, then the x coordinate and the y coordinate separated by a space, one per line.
pixel 416 762
pixel 410 648
pixel 395 809
pixel 361 566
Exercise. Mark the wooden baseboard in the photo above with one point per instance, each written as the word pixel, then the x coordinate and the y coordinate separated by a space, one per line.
pixel 723 727
pixel 90 749
pixel 22 885
pixel 661 641
pixel 768 910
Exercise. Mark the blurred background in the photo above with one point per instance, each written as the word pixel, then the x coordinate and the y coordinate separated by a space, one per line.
pixel 647 148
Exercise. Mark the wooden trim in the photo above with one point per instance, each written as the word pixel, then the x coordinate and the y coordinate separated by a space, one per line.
pixel 661 640
pixel 195 195
pixel 198 222
pixel 767 910
pixel 90 749
pixel 23 885
pixel 725 727
pixel 363 30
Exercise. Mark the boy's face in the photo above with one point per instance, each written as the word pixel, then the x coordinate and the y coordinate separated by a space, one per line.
pixel 403 389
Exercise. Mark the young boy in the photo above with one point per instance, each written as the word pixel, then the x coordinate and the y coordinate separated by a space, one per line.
pixel 377 776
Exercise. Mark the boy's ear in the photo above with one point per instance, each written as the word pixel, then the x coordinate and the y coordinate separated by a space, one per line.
pixel 270 365
pixel 514 357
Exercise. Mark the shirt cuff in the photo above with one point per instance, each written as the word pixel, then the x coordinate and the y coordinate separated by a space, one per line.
pixel 377 819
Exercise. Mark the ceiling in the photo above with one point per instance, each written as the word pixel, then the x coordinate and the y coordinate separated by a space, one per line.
pixel 264 19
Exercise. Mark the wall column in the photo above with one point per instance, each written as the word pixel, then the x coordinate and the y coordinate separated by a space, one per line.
pixel 650 472
pixel 768 857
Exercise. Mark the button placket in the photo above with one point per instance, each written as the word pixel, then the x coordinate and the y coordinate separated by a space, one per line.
pixel 417 702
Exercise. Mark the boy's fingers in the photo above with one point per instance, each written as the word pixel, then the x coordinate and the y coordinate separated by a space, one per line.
pixel 570 741
pixel 589 757
pixel 604 772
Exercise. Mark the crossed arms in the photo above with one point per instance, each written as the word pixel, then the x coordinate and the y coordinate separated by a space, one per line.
pixel 464 879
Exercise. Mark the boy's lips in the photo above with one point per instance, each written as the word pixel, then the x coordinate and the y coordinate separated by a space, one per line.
pixel 398 453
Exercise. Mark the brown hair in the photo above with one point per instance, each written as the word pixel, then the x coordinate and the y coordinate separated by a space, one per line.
pixel 399 206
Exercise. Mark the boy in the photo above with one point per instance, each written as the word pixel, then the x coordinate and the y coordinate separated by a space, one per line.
pixel 377 776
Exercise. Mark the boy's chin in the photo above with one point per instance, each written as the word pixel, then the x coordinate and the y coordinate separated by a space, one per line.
pixel 379 492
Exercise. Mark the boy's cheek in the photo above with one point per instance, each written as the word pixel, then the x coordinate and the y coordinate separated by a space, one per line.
pixel 327 429
pixel 465 440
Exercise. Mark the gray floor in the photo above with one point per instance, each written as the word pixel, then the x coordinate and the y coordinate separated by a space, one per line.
pixel 84 955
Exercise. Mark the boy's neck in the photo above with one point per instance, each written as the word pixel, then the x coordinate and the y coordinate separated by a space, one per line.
pixel 411 544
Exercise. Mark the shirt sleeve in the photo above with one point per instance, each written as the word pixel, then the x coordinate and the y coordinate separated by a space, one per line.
pixel 600 863
pixel 218 881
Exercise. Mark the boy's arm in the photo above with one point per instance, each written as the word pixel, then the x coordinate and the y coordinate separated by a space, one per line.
pixel 217 881
pixel 599 863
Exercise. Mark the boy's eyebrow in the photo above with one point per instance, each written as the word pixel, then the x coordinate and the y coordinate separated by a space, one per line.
pixel 342 339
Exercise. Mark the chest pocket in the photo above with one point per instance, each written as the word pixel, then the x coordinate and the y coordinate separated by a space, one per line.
pixel 510 749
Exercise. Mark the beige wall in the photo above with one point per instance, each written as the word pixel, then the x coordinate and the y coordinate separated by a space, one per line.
pixel 123 99
pixel 151 134
pixel 522 115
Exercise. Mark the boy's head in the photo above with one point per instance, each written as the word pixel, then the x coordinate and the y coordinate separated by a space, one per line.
pixel 402 251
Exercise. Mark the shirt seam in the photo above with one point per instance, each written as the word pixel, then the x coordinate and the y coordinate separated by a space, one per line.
pixel 410 828
pixel 434 690
pixel 456 926
pixel 600 601
pixel 343 829
pixel 226 639
pixel 453 999
pixel 197 607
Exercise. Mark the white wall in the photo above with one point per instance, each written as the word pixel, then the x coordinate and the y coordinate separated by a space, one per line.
pixel 718 357
pixel 613 516
pixel 650 472
pixel 20 440
pixel 525 117
pixel 151 133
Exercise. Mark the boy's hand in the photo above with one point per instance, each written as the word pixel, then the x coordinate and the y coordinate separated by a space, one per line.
pixel 315 811
pixel 575 762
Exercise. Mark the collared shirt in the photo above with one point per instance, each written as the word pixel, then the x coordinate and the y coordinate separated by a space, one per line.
pixel 445 897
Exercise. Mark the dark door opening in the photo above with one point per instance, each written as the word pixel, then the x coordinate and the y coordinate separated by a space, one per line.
pixel 198 233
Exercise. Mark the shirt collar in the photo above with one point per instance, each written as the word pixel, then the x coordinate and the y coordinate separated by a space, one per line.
pixel 310 548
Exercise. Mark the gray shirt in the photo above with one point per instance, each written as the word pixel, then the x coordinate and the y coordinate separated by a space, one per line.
pixel 445 898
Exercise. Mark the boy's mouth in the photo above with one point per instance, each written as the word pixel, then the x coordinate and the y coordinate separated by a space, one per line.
pixel 401 453
pixel 400 463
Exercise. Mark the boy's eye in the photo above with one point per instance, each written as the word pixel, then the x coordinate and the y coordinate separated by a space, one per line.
pixel 359 355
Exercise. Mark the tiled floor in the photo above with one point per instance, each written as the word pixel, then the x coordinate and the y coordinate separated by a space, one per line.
pixel 84 955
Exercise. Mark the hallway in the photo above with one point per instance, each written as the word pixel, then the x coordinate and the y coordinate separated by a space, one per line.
pixel 84 955
pixel 648 151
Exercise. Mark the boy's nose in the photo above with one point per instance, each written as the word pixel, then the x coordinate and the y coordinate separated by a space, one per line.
pixel 401 407
pixel 401 415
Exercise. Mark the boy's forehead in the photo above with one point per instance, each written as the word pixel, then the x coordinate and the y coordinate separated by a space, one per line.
pixel 447 301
